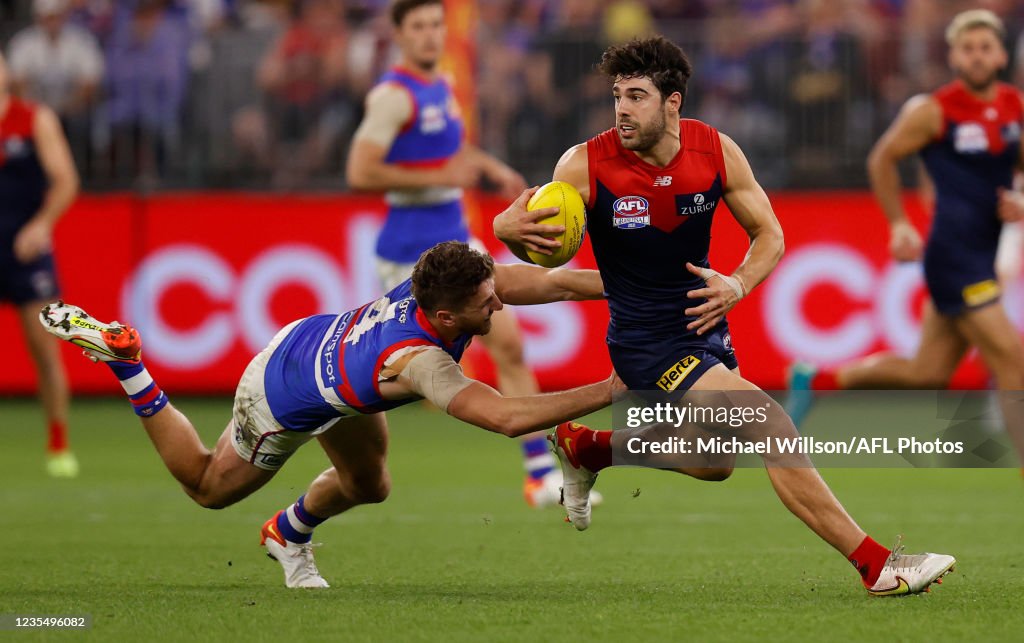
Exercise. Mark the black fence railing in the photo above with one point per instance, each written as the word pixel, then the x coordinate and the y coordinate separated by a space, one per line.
pixel 805 108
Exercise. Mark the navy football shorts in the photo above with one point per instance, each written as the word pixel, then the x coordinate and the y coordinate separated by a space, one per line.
pixel 650 362
pixel 22 283
pixel 962 284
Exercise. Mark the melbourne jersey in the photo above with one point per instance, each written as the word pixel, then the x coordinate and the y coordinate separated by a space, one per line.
pixel 420 218
pixel 975 155
pixel 328 365
pixel 646 222
pixel 22 179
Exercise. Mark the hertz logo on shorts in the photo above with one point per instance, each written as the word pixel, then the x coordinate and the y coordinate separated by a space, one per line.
pixel 981 293
pixel 671 378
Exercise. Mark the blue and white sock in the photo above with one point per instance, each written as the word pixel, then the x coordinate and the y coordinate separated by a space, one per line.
pixel 296 524
pixel 538 459
pixel 146 397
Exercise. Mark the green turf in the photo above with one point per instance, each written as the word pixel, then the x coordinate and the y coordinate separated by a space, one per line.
pixel 454 554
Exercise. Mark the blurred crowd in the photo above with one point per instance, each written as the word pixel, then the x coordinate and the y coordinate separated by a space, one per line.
pixel 267 93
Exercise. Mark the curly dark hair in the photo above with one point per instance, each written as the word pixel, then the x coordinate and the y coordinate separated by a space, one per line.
pixel 657 58
pixel 448 275
pixel 401 8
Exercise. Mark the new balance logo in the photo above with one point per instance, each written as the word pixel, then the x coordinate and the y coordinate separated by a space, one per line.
pixel 662 181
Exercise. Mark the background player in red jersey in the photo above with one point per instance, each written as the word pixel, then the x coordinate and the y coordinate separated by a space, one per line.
pixel 411 146
pixel 968 134
pixel 38 182
pixel 652 185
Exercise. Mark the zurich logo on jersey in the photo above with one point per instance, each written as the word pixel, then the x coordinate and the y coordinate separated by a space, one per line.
pixel 699 203
pixel 1011 132
pixel 631 212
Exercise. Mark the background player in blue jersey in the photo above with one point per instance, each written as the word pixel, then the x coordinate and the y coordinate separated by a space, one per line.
pixel 331 376
pixel 968 134
pixel 411 146
pixel 652 185
pixel 38 182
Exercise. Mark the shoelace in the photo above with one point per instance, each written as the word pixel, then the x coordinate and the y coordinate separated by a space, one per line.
pixel 305 551
pixel 898 560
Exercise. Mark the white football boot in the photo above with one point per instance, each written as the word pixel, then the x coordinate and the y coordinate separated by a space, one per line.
pixel 102 342
pixel 577 480
pixel 910 573
pixel 296 558
pixel 547 492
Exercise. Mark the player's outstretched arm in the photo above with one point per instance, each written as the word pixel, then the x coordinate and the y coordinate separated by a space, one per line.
pixel 434 375
pixel 388 108
pixel 751 208
pixel 918 123
pixel 522 285
pixel 481 405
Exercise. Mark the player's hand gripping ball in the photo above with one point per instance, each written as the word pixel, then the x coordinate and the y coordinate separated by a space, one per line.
pixel 571 214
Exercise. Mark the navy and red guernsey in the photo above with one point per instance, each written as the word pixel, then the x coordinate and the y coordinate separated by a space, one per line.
pixel 23 186
pixel 22 179
pixel 975 154
pixel 645 223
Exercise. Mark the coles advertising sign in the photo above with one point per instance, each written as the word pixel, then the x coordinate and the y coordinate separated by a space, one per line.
pixel 209 278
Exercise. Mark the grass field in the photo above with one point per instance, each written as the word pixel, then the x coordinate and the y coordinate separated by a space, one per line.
pixel 455 554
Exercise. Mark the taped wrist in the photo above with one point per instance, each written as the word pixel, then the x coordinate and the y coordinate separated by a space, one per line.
pixel 733 281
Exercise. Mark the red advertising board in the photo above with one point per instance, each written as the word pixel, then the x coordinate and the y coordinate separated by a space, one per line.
pixel 208 279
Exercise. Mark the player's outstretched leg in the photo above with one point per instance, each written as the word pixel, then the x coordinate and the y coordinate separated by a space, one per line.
pixel 357 447
pixel 212 480
pixel 584 452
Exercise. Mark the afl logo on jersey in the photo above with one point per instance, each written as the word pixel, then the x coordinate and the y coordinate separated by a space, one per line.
pixel 14 147
pixel 970 138
pixel 631 212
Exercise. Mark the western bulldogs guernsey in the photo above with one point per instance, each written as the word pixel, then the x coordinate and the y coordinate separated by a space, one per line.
pixel 645 223
pixel 419 219
pixel 328 365
pixel 975 155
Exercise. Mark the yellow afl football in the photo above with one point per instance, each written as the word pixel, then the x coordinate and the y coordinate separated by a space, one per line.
pixel 571 214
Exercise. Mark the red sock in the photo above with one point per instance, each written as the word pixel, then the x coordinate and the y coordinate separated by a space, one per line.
pixel 594 449
pixel 869 558
pixel 825 381
pixel 58 440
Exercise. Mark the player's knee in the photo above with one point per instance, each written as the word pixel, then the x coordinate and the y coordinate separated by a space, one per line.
pixel 715 474
pixel 372 489
pixel 211 499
